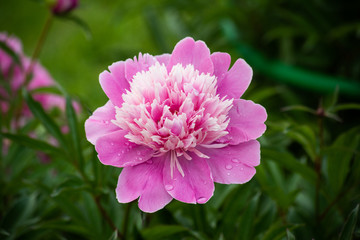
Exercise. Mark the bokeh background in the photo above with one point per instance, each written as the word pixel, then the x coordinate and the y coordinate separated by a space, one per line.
pixel 305 57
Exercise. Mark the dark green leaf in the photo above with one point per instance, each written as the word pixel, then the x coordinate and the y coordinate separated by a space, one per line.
pixel 305 136
pixel 287 161
pixel 74 131
pixel 32 143
pixel 349 226
pixel 289 235
pixel 9 51
pixel 44 118
pixel 163 231
pixel 339 155
pixel 278 231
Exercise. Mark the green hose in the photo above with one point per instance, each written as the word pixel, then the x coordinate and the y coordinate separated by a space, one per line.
pixel 287 73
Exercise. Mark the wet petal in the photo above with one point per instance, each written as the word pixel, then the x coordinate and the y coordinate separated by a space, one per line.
pixel 196 186
pixel 115 150
pixel 236 80
pixel 187 51
pixel 144 180
pixel 99 123
pixel 234 163
pixel 246 122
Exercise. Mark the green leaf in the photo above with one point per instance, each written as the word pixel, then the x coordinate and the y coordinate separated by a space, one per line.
pixel 44 118
pixel 287 161
pixel 339 156
pixel 299 108
pixel 79 22
pixel 74 131
pixel 349 226
pixel 163 231
pixel 9 51
pixel 248 219
pixel 289 235
pixel 305 136
pixel 71 184
pixel 32 143
pixel 50 89
pixel 346 106
pixel 278 231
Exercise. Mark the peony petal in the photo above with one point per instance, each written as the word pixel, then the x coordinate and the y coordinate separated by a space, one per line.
pixel 246 122
pixel 132 67
pixel 196 186
pixel 163 59
pixel 221 62
pixel 234 163
pixel 115 150
pixel 113 87
pixel 187 51
pixel 99 123
pixel 236 80
pixel 144 180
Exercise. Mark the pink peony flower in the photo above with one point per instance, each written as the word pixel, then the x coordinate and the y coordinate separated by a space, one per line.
pixel 176 125
pixel 14 75
pixel 64 6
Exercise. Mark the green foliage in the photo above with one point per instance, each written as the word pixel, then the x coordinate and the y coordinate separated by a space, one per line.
pixel 52 185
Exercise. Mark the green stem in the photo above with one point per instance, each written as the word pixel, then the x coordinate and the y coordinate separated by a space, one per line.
pixel 39 46
pixel 318 160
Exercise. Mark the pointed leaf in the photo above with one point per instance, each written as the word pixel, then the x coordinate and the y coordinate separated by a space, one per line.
pixel 44 118
pixel 349 226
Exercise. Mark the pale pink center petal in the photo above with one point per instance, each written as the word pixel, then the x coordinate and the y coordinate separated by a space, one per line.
pixel 173 111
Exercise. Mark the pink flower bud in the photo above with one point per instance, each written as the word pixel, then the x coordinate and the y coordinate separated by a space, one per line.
pixel 64 6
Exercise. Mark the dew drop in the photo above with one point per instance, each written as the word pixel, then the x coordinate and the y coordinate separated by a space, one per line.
pixel 106 122
pixel 140 158
pixel 169 187
pixel 201 200
pixel 228 167
pixel 205 182
pixel 241 169
pixel 112 144
pixel 127 143
pixel 235 160
pixel 228 174
pixel 138 153
pixel 122 151
pixel 119 154
pixel 149 161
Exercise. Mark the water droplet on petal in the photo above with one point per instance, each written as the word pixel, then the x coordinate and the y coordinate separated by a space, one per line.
pixel 228 174
pixel 119 154
pixel 122 151
pixel 201 200
pixel 169 187
pixel 112 144
pixel 235 160
pixel 140 158
pixel 241 169
pixel 149 161
pixel 228 167
pixel 127 143
pixel 138 153
pixel 205 182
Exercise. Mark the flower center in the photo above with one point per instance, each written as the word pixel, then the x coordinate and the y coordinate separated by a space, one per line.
pixel 174 111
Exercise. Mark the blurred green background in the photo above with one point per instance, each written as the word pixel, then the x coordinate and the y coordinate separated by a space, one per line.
pixel 307 186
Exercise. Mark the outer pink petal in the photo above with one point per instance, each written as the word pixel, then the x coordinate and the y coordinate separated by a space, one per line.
pixel 144 180
pixel 137 65
pixel 221 63
pixel 115 150
pixel 196 186
pixel 246 122
pixel 163 59
pixel 114 84
pixel 99 123
pixel 187 51
pixel 236 80
pixel 234 163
